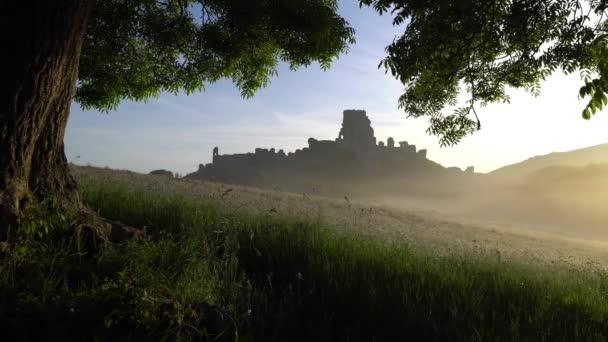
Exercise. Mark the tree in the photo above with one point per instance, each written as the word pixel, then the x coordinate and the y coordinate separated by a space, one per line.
pixel 482 47
pixel 100 52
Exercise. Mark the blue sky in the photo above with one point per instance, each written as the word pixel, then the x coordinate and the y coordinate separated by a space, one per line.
pixel 179 132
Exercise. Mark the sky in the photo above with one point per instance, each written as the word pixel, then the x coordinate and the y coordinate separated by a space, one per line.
pixel 179 132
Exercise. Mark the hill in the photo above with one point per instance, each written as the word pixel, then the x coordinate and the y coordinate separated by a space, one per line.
pixel 576 158
pixel 218 260
pixel 371 216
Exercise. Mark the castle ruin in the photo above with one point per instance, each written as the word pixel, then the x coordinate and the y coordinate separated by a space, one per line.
pixel 355 155
pixel 356 133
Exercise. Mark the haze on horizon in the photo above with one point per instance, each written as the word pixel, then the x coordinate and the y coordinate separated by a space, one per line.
pixel 179 132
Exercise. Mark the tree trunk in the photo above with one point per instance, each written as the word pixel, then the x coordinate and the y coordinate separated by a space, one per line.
pixel 41 42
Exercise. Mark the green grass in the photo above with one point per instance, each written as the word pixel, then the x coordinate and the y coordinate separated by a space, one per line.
pixel 284 279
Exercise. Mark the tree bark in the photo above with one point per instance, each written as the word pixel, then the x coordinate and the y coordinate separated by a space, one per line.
pixel 41 42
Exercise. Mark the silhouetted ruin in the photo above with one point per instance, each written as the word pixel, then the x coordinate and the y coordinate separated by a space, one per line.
pixel 356 133
pixel 354 156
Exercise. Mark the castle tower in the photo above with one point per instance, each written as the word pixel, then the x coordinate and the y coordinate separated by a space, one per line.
pixel 356 133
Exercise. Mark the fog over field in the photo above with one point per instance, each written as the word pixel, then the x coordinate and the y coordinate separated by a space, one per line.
pixel 566 200
pixel 570 201
pixel 561 193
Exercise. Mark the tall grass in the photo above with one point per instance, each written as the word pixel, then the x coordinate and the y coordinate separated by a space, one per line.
pixel 280 278
pixel 310 282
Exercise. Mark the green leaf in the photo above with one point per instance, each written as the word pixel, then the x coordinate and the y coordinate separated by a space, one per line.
pixel 586 114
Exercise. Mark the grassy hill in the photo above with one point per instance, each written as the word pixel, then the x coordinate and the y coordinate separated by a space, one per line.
pixel 576 158
pixel 279 276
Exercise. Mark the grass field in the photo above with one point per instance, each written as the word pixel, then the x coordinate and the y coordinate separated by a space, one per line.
pixel 280 276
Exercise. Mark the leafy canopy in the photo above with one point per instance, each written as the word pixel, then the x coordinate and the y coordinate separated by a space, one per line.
pixel 484 46
pixel 136 49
